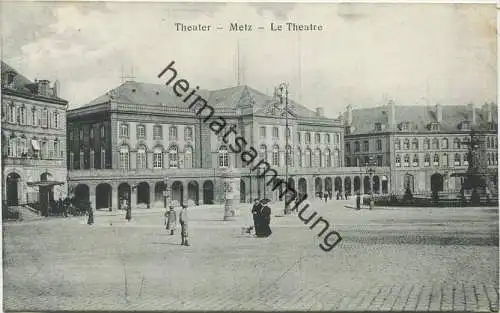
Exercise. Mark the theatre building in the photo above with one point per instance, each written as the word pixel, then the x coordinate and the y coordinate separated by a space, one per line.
pixel 424 147
pixel 33 140
pixel 129 142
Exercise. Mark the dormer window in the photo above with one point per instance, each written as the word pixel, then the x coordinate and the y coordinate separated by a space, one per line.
pixel 434 126
pixel 404 126
pixel 378 127
pixel 348 130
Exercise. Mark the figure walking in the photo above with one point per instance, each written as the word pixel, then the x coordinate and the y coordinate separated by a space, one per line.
pixel 358 201
pixel 171 220
pixel 90 220
pixel 128 215
pixel 183 220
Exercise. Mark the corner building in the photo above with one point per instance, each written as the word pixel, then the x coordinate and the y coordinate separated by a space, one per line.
pixel 33 140
pixel 422 146
pixel 128 142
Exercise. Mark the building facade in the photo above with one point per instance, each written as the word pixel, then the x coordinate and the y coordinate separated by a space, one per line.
pixel 424 147
pixel 127 143
pixel 33 140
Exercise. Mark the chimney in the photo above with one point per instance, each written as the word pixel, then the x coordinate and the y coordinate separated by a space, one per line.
pixel 439 113
pixel 43 87
pixel 348 115
pixel 391 118
pixel 55 88
pixel 320 112
pixel 472 113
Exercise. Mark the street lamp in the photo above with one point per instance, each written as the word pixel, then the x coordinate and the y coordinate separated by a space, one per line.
pixel 283 94
pixel 370 171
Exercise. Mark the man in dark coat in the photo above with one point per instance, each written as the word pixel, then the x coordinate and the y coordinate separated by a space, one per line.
pixel 183 220
pixel 90 211
pixel 256 214
pixel 128 215
pixel 358 201
pixel 265 215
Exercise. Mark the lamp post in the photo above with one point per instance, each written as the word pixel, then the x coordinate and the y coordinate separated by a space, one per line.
pixel 283 94
pixel 370 171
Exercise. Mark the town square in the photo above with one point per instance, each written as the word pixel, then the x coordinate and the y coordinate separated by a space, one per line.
pixel 155 159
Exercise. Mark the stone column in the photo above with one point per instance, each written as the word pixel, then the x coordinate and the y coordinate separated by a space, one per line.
pixel 114 197
pixel 133 197
pixel 92 200
pixel 185 193
pixel 151 194
pixel 200 193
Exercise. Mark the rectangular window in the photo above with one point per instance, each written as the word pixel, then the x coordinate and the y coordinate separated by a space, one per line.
pixel 82 164
pixel 347 147
pixel 317 138
pixel 366 146
pixel 262 132
pixel 61 149
pixel 157 132
pixel 172 133
pixel 124 162
pixel 141 131
pixel 56 120
pixel 379 145
pixel 124 130
pixel 275 132
pixel 34 117
pixel 188 134
pixel 308 138
pixel 92 159
pixel 298 138
pixel 158 160
pixel 51 150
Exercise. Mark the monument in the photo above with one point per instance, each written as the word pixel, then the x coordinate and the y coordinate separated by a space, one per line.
pixel 230 181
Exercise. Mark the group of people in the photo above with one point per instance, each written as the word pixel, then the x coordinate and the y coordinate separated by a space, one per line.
pixel 261 213
pixel 171 223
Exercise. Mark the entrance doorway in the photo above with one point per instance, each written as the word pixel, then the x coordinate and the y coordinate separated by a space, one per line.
pixel 12 189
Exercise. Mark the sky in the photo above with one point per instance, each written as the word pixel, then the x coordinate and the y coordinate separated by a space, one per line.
pixel 366 54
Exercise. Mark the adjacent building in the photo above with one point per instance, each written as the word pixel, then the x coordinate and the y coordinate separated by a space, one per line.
pixel 33 140
pixel 131 142
pixel 424 147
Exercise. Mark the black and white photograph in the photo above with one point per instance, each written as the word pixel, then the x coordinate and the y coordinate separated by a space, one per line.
pixel 249 156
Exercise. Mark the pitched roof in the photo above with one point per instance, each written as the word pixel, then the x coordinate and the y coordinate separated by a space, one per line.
pixel 420 117
pixel 22 84
pixel 228 98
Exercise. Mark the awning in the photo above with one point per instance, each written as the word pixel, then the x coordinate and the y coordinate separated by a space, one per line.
pixel 47 183
pixel 35 145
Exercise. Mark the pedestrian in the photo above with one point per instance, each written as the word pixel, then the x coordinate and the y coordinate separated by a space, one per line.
pixel 183 220
pixel 128 214
pixel 255 215
pixel 338 195
pixel 346 195
pixel 358 201
pixel 326 197
pixel 265 218
pixel 171 220
pixel 90 211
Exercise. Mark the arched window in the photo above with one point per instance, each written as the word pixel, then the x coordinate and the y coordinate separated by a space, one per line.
pixel 158 157
pixel 435 143
pixel 299 157
pixel 415 160
pixel 173 156
pixel 289 157
pixel 328 158
pixel 445 160
pixel 444 143
pixel 456 143
pixel 317 155
pixel 406 160
pixel 398 160
pixel 276 156
pixel 327 139
pixel 406 144
pixel 141 157
pixel 103 158
pixel 308 158
pixel 427 159
pixel 92 158
pixel 427 143
pixel 223 157
pixel 457 159
pixel 263 152
pixel 414 144
pixel 124 157
pixel 436 160
pixel 397 144
pixel 172 133
pixel 188 157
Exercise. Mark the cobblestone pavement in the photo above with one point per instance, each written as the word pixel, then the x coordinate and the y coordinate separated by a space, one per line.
pixel 389 259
